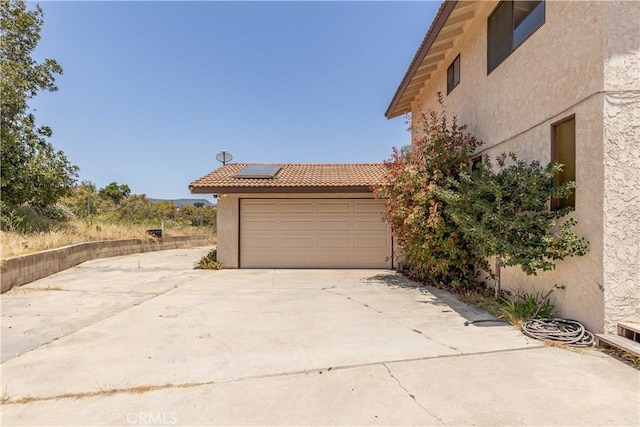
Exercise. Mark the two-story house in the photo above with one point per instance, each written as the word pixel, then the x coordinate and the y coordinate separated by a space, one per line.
pixel 551 80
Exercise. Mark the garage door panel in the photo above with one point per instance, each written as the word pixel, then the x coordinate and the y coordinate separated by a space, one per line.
pixel 369 261
pixel 369 225
pixel 375 243
pixel 367 206
pixel 333 225
pixel 260 225
pixel 262 259
pixel 334 207
pixel 322 233
pixel 295 260
pixel 296 242
pixel 334 242
pixel 297 225
pixel 262 243
pixel 329 259
pixel 263 207
pixel 296 207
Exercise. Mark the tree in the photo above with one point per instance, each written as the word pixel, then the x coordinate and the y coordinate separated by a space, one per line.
pixel 165 210
pixel 84 201
pixel 505 215
pixel 191 213
pixel 136 209
pixel 115 192
pixel 424 231
pixel 32 170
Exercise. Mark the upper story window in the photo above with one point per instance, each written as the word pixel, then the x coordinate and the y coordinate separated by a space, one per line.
pixel 509 25
pixel 453 74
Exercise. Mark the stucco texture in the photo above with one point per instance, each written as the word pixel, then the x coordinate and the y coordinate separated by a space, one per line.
pixel 582 61
pixel 621 162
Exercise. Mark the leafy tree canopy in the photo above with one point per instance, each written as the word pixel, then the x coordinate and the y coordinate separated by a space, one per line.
pixel 115 192
pixel 32 170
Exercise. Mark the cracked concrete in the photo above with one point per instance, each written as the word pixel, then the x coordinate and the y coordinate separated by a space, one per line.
pixel 426 410
pixel 144 339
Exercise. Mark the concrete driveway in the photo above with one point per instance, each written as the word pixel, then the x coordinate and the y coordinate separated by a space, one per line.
pixel 147 340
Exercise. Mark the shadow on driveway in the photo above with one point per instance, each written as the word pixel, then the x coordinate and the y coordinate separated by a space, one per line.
pixel 440 298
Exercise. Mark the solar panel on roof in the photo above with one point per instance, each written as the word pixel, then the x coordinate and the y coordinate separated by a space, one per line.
pixel 259 171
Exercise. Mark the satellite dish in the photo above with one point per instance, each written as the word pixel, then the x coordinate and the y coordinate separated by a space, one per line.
pixel 224 157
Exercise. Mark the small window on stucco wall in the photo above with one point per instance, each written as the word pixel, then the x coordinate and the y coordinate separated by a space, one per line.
pixel 563 150
pixel 453 74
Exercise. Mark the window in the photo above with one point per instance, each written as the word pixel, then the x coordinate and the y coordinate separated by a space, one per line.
pixel 509 25
pixel 453 74
pixel 563 150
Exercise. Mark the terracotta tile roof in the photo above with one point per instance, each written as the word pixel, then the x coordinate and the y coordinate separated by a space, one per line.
pixel 295 176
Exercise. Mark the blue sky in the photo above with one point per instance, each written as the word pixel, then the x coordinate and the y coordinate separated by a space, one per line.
pixel 151 91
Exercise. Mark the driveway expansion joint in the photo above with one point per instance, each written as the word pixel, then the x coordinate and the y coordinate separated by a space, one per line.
pixel 105 392
pixel 150 388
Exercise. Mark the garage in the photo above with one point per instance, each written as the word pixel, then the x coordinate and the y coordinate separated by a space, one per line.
pixel 299 215
pixel 326 233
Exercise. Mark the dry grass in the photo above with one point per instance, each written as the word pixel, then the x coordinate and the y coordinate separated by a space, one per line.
pixel 482 299
pixel 14 244
pixel 625 356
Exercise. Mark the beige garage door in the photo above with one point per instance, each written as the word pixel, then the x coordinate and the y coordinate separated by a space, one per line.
pixel 327 233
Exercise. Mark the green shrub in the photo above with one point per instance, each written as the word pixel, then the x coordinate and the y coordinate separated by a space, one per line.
pixel 505 214
pixel 25 219
pixel 209 261
pixel 525 307
pixel 56 212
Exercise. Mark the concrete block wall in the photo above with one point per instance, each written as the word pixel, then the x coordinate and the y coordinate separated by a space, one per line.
pixel 20 270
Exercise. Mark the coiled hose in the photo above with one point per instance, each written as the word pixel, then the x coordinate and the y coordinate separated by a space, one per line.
pixel 564 331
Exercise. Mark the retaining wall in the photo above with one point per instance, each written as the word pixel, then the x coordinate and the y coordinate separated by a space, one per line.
pixel 20 270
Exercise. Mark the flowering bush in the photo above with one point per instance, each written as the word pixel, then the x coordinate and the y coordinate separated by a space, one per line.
pixel 448 220
pixel 423 230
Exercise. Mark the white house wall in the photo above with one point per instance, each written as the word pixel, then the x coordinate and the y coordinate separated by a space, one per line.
pixel 555 73
pixel 621 161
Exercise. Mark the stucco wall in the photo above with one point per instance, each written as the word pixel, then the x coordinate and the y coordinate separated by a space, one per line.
pixel 621 162
pixel 229 219
pixel 557 67
pixel 555 73
pixel 583 297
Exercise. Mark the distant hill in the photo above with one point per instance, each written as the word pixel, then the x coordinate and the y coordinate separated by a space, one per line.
pixel 182 202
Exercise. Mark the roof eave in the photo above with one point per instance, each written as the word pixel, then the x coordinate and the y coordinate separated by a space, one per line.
pixel 442 16
pixel 281 190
